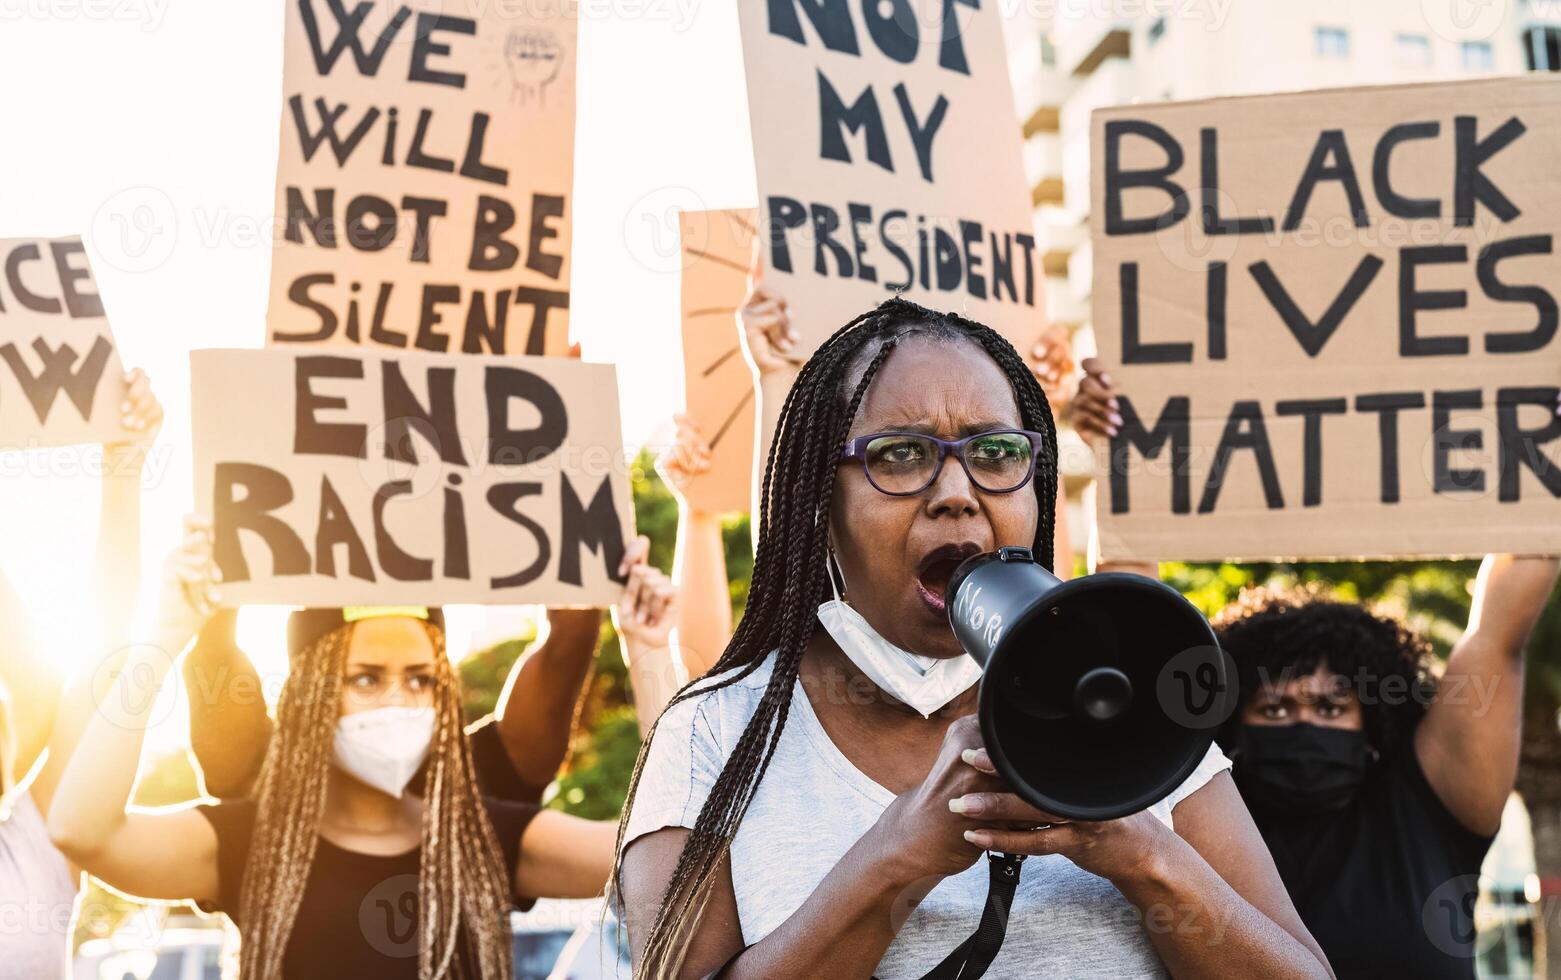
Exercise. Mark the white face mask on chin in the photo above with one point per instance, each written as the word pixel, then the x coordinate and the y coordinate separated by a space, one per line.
pixel 384 747
pixel 924 683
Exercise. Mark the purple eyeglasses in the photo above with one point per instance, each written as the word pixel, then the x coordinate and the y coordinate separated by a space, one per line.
pixel 903 464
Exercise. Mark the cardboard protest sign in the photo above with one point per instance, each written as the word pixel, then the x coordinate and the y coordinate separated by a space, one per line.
pixel 717 251
pixel 426 165
pixel 342 478
pixel 60 377
pixel 1332 316
pixel 887 151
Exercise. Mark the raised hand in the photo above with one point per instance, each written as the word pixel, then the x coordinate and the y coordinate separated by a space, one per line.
pixel 1095 411
pixel 685 459
pixel 189 591
pixel 769 339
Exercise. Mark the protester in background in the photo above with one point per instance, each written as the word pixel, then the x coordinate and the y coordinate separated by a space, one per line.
pixel 704 620
pixel 1377 786
pixel 36 881
pixel 778 825
pixel 41 719
pixel 770 341
pixel 517 749
pixel 320 871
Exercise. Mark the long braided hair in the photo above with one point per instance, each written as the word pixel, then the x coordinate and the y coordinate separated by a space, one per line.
pixel 463 888
pixel 789 576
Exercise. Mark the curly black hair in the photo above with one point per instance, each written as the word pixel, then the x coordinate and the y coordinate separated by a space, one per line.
pixel 1276 634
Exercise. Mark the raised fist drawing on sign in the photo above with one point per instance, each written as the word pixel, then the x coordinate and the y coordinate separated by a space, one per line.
pixel 533 57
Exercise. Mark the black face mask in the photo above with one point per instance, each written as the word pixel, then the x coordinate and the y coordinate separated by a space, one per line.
pixel 1299 769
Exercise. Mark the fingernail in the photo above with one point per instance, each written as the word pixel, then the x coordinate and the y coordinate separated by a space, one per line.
pixel 1105 379
pixel 1115 407
pixel 1111 430
pixel 965 804
pixel 972 837
pixel 968 757
pixel 1116 419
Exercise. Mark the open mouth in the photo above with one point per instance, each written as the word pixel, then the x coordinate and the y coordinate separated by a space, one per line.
pixel 937 568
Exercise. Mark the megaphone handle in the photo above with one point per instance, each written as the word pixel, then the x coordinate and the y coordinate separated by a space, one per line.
pixel 971 958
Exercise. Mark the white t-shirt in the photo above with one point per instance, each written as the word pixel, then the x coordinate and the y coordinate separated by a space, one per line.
pixel 813 804
pixel 37 897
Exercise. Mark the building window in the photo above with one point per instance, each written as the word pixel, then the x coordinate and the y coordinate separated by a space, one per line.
pixel 1157 30
pixel 1413 50
pixel 1542 48
pixel 1333 42
pixel 1476 56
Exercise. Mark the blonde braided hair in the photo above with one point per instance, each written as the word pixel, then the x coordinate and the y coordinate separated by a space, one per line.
pixel 464 890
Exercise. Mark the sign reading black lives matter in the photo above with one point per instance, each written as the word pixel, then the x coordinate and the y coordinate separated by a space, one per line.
pixel 427 159
pixel 60 379
pixel 352 478
pixel 888 158
pixel 1332 316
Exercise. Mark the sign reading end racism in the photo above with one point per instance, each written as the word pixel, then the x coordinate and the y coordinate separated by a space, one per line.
pixel 1332 317
pixel 60 379
pixel 349 478
pixel 427 157
pixel 887 151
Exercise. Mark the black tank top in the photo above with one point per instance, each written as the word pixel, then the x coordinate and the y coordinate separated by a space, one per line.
pixel 1387 884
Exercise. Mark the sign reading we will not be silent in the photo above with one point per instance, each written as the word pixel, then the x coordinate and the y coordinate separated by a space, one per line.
pixel 347 478
pixel 426 164
pixel 1332 318
pixel 887 151
pixel 60 378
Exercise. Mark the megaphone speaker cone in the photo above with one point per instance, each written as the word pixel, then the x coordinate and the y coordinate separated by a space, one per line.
pixel 1072 705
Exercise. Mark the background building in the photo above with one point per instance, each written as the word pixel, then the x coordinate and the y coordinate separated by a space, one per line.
pixel 1070 57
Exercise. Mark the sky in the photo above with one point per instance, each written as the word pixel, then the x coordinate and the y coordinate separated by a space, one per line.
pixel 150 128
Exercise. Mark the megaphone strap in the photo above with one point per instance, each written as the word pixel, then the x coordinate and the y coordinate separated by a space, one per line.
pixel 970 958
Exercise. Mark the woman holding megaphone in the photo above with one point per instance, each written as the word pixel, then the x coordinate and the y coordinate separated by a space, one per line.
pixel 333 869
pixel 1378 786
pixel 818 805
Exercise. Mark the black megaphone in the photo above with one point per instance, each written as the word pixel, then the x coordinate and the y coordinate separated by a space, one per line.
pixel 1100 695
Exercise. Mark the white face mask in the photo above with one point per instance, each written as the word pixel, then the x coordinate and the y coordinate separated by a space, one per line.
pixel 384 747
pixel 924 683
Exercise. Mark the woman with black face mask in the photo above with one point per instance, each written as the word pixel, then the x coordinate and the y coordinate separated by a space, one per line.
pixel 1377 787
